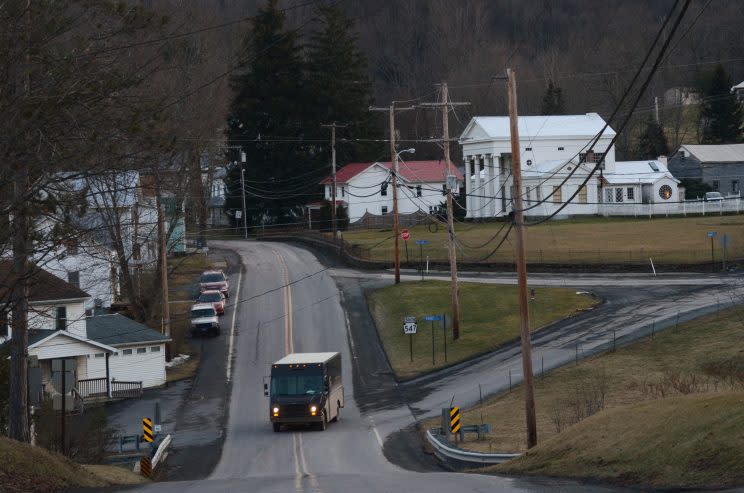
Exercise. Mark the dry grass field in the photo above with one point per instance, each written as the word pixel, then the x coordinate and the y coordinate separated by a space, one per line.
pixel 678 240
pixel 681 391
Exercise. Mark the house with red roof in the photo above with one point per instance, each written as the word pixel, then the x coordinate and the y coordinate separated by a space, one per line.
pixel 366 188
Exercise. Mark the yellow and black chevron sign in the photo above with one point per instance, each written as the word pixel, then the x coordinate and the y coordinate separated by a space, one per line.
pixel 454 419
pixel 146 467
pixel 147 429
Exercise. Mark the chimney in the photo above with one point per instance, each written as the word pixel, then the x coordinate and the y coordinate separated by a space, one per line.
pixel 662 160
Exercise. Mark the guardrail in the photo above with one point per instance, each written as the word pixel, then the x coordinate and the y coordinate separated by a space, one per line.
pixel 457 458
pixel 162 452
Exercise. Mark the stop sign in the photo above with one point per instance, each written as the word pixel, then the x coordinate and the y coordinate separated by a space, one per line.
pixel 405 234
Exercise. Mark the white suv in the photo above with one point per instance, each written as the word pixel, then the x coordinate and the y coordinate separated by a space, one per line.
pixel 204 320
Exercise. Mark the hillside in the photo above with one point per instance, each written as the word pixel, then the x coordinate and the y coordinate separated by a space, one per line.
pixel 692 441
pixel 27 469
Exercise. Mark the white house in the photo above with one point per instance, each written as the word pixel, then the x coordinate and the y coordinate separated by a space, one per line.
pixel 104 356
pixel 366 187
pixel 121 221
pixel 556 159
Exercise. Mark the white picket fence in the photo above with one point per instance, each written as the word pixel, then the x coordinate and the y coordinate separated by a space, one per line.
pixel 696 207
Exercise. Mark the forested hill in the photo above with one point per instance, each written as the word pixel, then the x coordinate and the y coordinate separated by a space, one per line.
pixel 414 43
pixel 588 48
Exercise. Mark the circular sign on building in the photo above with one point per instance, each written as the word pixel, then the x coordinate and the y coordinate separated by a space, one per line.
pixel 405 234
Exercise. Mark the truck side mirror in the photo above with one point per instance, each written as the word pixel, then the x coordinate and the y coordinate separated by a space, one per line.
pixel 266 389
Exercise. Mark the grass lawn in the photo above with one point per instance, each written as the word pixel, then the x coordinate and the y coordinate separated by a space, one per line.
pixel 28 469
pixel 691 441
pixel 488 320
pixel 583 240
pixel 185 271
pixel 665 400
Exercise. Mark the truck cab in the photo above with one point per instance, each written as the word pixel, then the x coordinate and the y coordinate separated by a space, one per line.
pixel 305 388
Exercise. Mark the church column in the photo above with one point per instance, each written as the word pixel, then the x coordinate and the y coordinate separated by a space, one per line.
pixel 468 186
pixel 478 188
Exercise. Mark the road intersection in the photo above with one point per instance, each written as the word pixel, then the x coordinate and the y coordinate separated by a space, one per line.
pixel 290 302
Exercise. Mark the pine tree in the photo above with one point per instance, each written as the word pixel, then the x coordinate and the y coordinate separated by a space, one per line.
pixel 338 83
pixel 652 142
pixel 552 103
pixel 721 113
pixel 268 119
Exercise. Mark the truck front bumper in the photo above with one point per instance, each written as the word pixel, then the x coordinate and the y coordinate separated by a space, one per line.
pixel 296 419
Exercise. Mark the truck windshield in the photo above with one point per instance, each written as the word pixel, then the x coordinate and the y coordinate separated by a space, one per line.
pixel 296 384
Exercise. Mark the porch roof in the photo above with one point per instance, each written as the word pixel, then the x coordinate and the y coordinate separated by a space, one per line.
pixel 117 330
pixel 37 339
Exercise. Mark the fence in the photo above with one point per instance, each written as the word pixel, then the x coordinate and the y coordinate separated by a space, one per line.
pixel 691 207
pixel 125 390
pixel 93 388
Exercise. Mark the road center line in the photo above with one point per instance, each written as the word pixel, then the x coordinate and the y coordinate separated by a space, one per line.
pixel 288 317
pixel 298 472
pixel 228 371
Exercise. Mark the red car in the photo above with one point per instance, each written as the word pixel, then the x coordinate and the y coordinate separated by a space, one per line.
pixel 214 280
pixel 216 298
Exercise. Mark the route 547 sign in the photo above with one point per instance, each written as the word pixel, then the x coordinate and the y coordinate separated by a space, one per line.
pixel 409 325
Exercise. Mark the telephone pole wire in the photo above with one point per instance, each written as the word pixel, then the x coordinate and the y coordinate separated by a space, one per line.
pixel 445 106
pixel 524 316
pixel 333 126
pixel 394 162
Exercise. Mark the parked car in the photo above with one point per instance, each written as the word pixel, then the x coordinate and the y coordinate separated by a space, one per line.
pixel 216 298
pixel 713 196
pixel 214 280
pixel 204 320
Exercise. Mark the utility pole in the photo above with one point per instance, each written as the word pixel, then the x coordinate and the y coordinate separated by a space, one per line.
pixel 164 276
pixel 529 385
pixel 394 162
pixel 63 418
pixel 20 228
pixel 136 253
pixel 333 126
pixel 242 185
pixel 445 105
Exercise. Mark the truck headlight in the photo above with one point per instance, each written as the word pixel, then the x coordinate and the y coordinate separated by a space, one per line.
pixel 276 410
pixel 313 410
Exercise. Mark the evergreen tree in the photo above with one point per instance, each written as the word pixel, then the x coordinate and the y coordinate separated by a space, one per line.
pixel 652 142
pixel 269 118
pixel 721 113
pixel 340 88
pixel 552 103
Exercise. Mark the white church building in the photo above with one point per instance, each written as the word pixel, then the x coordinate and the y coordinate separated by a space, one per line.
pixel 556 158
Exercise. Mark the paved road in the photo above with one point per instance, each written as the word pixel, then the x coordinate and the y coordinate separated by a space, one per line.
pixel 307 316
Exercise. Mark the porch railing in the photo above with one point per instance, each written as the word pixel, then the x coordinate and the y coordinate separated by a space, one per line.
pixel 122 390
pixel 92 387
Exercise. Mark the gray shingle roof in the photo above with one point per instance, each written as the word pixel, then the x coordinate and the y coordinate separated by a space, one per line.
pixel 116 330
pixel 42 286
pixel 721 153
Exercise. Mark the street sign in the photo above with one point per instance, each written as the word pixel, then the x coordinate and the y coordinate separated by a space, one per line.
pixel 238 214
pixel 405 235
pixel 432 318
pixel 147 430
pixel 712 234
pixel 146 467
pixel 422 242
pixel 455 419
pixel 409 328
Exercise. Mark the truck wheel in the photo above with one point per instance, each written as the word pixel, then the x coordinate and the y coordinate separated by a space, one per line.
pixel 338 413
pixel 277 427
